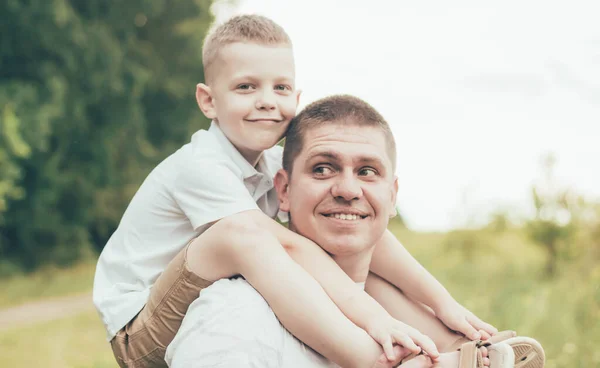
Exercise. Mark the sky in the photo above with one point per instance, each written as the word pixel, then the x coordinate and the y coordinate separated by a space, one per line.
pixel 476 93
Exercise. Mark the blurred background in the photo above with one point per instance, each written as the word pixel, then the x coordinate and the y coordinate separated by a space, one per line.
pixel 495 109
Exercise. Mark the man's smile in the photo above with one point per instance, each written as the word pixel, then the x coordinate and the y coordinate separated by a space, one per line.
pixel 346 214
pixel 341 216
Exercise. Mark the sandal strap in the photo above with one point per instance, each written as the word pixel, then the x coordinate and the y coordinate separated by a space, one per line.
pixel 499 337
pixel 502 336
pixel 470 355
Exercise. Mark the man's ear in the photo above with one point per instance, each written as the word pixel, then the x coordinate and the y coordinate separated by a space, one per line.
pixel 394 194
pixel 205 100
pixel 282 188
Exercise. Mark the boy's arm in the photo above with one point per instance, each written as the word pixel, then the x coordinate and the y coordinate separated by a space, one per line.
pixel 395 264
pixel 236 245
pixel 357 305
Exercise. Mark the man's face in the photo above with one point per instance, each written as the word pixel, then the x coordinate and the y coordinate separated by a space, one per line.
pixel 342 189
pixel 253 94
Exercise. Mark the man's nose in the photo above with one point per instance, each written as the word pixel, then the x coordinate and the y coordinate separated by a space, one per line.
pixel 266 101
pixel 347 187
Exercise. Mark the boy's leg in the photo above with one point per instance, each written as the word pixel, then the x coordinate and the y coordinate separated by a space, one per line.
pixel 143 341
pixel 410 312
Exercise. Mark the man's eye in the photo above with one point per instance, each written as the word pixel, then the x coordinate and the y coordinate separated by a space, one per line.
pixel 367 171
pixel 322 170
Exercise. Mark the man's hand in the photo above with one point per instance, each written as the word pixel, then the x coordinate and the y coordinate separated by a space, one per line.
pixel 460 319
pixel 388 331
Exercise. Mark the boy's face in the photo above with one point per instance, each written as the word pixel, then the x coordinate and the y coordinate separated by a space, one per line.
pixel 252 95
pixel 342 189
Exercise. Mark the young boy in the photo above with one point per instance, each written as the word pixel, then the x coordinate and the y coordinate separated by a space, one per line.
pixel 214 198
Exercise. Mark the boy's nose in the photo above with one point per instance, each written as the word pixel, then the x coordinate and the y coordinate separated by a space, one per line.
pixel 266 101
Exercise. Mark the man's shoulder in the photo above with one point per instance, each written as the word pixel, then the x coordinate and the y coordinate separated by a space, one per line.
pixel 236 298
pixel 233 289
pixel 229 324
pixel 234 307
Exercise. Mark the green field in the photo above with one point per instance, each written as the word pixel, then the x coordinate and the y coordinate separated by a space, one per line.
pixel 498 276
pixel 46 283
pixel 77 341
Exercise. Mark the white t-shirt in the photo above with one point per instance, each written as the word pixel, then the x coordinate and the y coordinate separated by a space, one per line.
pixel 204 181
pixel 231 326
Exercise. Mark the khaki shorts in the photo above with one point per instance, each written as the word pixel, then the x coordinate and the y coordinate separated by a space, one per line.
pixel 143 341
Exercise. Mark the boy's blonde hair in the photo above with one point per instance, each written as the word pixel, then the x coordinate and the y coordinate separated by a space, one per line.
pixel 242 28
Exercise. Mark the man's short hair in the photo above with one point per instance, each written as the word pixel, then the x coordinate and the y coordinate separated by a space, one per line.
pixel 242 28
pixel 340 109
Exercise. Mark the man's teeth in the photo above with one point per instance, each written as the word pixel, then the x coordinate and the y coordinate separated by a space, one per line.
pixel 342 216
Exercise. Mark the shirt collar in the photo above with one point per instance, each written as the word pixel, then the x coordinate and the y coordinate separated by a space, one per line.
pixel 247 169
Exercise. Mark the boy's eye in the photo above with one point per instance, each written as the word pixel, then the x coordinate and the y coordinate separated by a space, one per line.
pixel 245 86
pixel 283 87
pixel 367 171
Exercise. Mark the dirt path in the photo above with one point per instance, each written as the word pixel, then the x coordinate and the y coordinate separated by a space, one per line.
pixel 45 310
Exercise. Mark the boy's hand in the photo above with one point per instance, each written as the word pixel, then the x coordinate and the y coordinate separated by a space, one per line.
pixel 460 319
pixel 400 353
pixel 388 331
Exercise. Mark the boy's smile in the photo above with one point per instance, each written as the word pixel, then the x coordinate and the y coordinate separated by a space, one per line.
pixel 252 95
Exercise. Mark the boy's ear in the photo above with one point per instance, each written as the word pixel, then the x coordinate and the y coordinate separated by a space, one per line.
pixel 282 188
pixel 298 93
pixel 394 195
pixel 205 100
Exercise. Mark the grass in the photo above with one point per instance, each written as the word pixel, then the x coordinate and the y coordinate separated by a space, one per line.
pixel 499 276
pixel 46 283
pixel 77 341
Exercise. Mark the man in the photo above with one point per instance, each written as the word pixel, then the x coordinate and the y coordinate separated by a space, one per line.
pixel 339 189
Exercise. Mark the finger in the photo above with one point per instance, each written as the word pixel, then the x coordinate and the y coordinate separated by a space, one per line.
pixel 480 325
pixel 388 348
pixel 401 353
pixel 426 344
pixel 403 339
pixel 468 330
pixel 484 335
pixel 486 362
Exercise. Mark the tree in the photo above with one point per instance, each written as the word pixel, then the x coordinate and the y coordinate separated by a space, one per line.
pixel 92 95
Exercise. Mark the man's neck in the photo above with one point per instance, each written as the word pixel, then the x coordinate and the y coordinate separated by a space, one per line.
pixel 355 265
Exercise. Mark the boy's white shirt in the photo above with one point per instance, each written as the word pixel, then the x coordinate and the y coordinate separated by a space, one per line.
pixel 204 181
pixel 231 325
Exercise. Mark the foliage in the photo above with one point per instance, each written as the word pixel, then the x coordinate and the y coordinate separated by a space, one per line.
pixel 560 218
pixel 504 283
pixel 92 95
